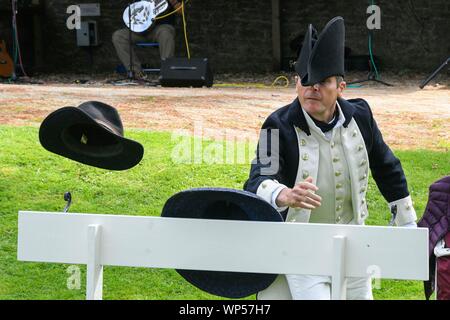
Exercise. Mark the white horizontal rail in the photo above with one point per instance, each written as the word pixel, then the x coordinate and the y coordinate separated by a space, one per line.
pixel 223 245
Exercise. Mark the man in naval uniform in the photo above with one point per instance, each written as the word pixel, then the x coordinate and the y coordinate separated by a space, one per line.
pixel 314 155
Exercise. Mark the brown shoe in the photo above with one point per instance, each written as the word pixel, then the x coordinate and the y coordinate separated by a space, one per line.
pixel 141 76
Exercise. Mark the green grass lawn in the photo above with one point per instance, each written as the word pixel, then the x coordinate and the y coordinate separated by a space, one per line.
pixel 33 179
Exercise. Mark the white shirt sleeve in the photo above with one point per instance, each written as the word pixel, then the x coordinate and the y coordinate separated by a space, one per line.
pixel 275 196
pixel 269 190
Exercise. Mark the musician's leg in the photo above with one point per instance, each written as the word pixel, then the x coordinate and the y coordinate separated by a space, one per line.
pixel 164 34
pixel 121 41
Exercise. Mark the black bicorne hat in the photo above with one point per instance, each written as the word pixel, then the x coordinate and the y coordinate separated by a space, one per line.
pixel 226 204
pixel 91 133
pixel 323 55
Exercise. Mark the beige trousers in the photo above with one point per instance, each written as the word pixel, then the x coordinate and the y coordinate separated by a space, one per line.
pixel 164 34
pixel 307 287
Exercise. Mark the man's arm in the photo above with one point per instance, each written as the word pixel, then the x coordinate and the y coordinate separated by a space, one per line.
pixel 273 170
pixel 265 171
pixel 176 5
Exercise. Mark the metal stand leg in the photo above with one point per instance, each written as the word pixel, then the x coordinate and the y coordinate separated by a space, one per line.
pixel 338 286
pixel 94 286
pixel 434 74
pixel 371 77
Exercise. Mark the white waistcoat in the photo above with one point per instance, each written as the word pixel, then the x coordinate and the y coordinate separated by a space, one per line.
pixel 357 162
pixel 333 177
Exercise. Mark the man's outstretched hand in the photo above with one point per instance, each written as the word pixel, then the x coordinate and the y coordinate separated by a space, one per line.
pixel 302 195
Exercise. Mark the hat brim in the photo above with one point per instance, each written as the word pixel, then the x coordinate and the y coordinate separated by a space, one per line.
pixel 56 134
pixel 216 202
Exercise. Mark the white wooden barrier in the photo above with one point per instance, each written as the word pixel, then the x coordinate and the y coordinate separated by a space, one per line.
pixel 340 251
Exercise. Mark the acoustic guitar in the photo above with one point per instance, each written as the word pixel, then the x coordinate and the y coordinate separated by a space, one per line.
pixel 143 14
pixel 6 63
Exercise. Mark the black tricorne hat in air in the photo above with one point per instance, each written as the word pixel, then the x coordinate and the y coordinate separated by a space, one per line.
pixel 91 133
pixel 322 55
pixel 226 204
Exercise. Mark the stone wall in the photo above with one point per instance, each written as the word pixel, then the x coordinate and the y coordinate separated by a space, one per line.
pixel 414 34
pixel 237 35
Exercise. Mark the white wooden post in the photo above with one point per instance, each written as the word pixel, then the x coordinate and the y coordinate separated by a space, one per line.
pixel 94 278
pixel 338 283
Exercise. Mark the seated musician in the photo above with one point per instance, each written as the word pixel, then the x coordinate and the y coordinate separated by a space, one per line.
pixel 161 31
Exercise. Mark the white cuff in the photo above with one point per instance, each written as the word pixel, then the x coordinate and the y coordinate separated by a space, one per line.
pixel 440 250
pixel 275 196
pixel 405 213
pixel 267 190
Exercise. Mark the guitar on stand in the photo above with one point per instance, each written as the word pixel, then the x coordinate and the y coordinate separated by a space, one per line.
pixel 139 16
pixel 6 63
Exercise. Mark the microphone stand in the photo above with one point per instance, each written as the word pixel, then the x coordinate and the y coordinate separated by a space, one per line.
pixel 14 26
pixel 371 76
pixel 130 72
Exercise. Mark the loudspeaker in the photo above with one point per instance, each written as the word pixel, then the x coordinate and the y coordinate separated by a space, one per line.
pixel 183 72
